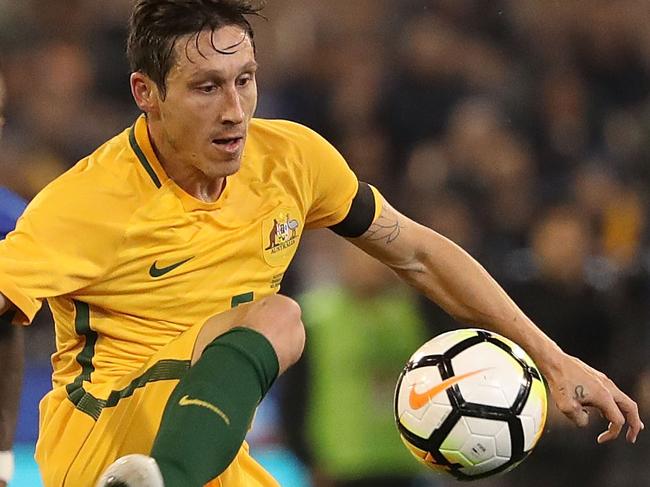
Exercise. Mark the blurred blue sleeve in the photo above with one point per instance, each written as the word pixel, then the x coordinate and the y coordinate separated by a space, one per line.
pixel 11 207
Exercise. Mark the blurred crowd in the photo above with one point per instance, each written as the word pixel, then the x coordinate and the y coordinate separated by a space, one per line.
pixel 518 128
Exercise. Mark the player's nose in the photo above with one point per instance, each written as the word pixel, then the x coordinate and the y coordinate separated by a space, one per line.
pixel 232 110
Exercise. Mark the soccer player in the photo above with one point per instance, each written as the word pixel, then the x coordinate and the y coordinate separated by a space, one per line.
pixel 11 337
pixel 11 349
pixel 161 255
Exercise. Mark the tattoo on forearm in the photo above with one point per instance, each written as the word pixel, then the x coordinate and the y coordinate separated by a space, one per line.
pixel 386 229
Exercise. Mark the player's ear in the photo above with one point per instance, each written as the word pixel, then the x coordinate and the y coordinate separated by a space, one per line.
pixel 145 92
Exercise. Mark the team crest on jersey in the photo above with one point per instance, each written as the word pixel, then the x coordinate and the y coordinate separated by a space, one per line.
pixel 280 236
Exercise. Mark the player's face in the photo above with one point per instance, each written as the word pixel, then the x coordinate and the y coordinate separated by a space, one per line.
pixel 210 99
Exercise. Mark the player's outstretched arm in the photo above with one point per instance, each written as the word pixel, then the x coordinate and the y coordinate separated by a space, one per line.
pixel 11 364
pixel 449 276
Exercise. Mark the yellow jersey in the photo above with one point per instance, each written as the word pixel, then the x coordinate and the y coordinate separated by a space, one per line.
pixel 128 261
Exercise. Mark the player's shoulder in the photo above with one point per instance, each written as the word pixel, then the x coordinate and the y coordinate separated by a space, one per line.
pixel 279 128
pixel 100 184
pixel 277 134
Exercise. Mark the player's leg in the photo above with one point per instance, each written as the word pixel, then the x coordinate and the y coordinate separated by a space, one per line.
pixel 212 407
pixel 236 358
pixel 276 317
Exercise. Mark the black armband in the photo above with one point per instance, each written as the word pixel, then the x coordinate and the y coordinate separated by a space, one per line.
pixel 360 216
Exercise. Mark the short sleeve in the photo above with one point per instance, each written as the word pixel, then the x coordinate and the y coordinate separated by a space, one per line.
pixel 333 185
pixel 63 241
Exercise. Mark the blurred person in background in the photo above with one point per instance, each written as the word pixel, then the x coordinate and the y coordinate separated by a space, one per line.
pixel 11 206
pixel 493 165
pixel 556 289
pixel 617 210
pixel 11 337
pixel 361 328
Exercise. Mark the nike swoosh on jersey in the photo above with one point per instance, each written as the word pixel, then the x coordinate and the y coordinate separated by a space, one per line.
pixel 187 401
pixel 419 400
pixel 155 271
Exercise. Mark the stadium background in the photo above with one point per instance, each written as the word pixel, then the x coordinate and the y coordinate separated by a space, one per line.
pixel 519 128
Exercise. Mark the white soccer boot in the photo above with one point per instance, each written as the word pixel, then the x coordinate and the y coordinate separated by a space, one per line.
pixel 132 471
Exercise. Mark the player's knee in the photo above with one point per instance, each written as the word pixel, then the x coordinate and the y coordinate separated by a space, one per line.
pixel 289 344
pixel 278 308
pixel 278 318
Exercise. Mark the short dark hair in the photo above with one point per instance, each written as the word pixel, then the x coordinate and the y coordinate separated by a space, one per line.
pixel 156 25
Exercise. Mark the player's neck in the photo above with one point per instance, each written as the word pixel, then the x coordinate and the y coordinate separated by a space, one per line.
pixel 195 183
pixel 188 177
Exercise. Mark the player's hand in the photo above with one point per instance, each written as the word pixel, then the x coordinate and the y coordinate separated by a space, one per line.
pixel 575 386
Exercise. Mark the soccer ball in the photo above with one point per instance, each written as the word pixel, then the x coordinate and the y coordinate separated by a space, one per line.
pixel 470 403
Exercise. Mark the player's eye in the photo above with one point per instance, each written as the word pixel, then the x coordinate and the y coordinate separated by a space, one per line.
pixel 244 80
pixel 208 88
